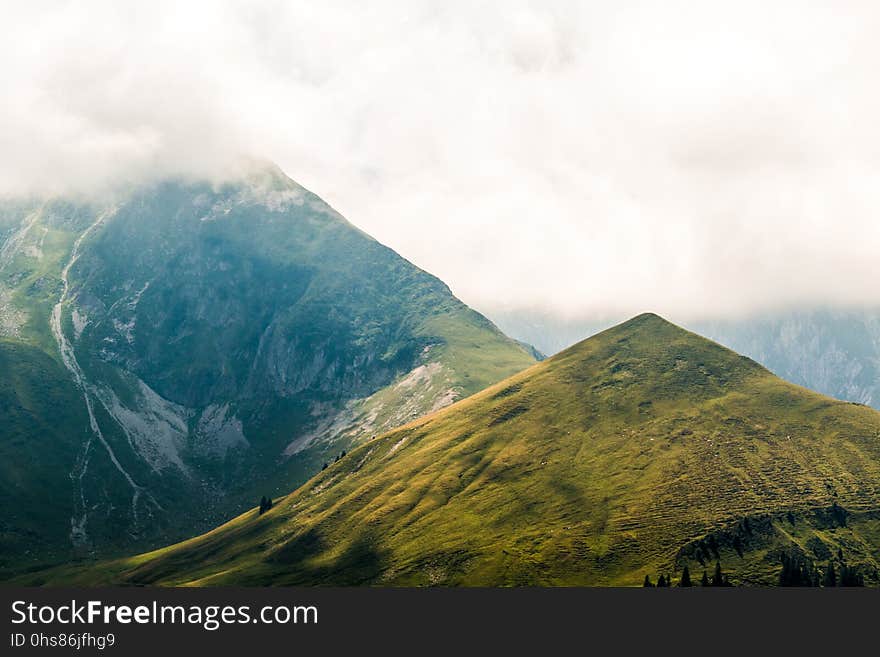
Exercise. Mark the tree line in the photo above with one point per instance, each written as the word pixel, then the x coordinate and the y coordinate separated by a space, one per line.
pixel 719 578
pixel 796 571
pixel 799 571
pixel 339 456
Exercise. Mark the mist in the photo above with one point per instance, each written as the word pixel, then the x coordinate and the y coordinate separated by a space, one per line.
pixel 577 159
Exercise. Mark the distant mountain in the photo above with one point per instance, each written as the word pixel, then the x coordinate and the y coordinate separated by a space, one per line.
pixel 549 333
pixel 835 352
pixel 171 356
pixel 637 452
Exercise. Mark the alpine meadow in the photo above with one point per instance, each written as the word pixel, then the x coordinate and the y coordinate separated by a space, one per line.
pixel 637 452
pixel 316 297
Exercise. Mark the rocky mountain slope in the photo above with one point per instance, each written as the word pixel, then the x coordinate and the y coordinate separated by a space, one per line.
pixel 636 452
pixel 177 352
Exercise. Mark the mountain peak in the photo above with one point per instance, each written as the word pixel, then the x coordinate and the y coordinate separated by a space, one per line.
pixel 647 322
pixel 650 321
pixel 649 329
pixel 648 357
pixel 652 331
pixel 648 316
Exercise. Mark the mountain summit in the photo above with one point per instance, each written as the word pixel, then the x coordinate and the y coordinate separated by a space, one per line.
pixel 187 348
pixel 636 452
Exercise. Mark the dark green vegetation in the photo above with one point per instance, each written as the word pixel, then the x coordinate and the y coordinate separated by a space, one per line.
pixel 39 407
pixel 172 355
pixel 635 453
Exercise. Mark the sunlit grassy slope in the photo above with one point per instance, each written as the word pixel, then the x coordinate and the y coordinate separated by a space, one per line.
pixel 635 452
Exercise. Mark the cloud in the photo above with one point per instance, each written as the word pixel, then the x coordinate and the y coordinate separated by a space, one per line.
pixel 696 159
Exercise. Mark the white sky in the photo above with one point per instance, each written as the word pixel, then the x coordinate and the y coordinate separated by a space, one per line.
pixel 693 158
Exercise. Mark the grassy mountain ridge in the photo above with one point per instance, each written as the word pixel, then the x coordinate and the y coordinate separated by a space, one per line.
pixel 834 351
pixel 635 452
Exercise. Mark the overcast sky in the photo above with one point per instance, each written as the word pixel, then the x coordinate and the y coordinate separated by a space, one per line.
pixel 695 158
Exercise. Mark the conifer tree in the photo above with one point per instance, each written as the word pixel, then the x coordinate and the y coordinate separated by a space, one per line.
pixel 717 578
pixel 705 579
pixel 850 576
pixel 798 571
pixel 790 575
pixel 647 582
pixel 830 578
pixel 685 577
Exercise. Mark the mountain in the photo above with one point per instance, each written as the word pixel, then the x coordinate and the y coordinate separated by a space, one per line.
pixel 833 351
pixel 175 353
pixel 636 452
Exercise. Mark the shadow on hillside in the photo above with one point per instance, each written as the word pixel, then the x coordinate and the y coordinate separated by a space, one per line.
pixel 360 562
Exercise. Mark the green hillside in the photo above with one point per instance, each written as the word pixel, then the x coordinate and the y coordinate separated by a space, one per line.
pixel 180 350
pixel 633 453
pixel 39 407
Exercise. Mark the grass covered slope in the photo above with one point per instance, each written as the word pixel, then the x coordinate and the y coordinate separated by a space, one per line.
pixel 635 452
pixel 43 427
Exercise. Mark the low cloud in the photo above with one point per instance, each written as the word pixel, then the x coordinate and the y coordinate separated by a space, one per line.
pixel 696 159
